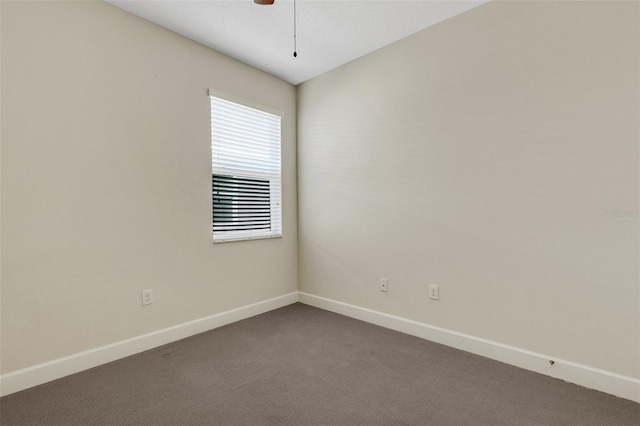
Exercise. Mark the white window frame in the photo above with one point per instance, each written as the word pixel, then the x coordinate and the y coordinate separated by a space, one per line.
pixel 223 165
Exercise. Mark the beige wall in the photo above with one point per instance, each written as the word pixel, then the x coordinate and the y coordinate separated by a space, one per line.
pixel 106 168
pixel 481 155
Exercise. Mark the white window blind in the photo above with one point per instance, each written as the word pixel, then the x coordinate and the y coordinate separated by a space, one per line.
pixel 246 178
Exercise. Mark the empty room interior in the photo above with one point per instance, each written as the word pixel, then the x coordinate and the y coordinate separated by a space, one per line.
pixel 320 212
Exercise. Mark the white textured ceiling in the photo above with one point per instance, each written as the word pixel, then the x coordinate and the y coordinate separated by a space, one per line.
pixel 330 32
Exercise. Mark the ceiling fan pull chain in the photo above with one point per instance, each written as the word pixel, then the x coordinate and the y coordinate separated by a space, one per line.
pixel 295 48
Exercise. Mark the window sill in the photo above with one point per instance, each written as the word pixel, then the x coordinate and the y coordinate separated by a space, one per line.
pixel 245 238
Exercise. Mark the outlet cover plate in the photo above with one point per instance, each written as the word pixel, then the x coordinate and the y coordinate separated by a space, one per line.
pixel 434 292
pixel 147 297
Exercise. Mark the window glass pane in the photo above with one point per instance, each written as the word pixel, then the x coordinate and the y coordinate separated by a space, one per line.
pixel 246 181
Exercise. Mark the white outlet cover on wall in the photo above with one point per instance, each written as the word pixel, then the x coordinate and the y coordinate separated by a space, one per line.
pixel 434 292
pixel 147 297
pixel 384 284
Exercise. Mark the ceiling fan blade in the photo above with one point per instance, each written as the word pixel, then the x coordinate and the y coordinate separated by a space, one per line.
pixel 263 2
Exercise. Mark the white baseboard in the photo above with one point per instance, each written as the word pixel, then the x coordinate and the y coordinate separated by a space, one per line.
pixel 605 381
pixel 38 374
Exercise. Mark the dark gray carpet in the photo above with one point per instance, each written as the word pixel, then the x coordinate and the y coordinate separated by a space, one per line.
pixel 304 366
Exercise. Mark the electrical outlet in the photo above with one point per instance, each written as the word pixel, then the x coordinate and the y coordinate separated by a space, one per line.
pixel 384 284
pixel 147 297
pixel 434 292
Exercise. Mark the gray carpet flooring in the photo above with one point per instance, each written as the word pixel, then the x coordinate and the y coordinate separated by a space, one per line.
pixel 304 366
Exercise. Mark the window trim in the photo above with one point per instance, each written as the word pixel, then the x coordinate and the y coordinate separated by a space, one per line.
pixel 249 235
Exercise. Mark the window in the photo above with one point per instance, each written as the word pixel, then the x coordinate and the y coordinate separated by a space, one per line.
pixel 246 179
